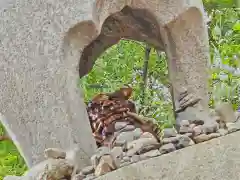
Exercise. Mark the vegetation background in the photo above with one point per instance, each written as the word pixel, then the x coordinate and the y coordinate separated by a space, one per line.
pixel 123 63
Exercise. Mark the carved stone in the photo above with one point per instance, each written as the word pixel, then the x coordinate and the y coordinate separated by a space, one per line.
pixel 39 96
pixel 176 27
pixel 46 46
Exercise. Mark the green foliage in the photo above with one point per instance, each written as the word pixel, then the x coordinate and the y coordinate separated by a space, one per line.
pixel 123 63
pixel 11 162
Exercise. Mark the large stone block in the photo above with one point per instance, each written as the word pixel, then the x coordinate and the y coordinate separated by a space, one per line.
pixel 46 45
pixel 39 97
pixel 217 159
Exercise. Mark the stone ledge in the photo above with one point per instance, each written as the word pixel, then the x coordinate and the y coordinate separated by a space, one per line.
pixel 217 159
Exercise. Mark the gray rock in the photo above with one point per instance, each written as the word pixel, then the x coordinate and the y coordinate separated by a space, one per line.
pixel 135 158
pixel 137 133
pixel 214 135
pixel 226 112
pixel 95 160
pixel 117 152
pixel 54 153
pixel 233 127
pixel 184 141
pixel 197 122
pixel 201 138
pixel 88 170
pixel 120 125
pixel 169 132
pixel 188 134
pixel 237 116
pixel 90 177
pixel 103 151
pixel 206 137
pixel 120 143
pixel 169 140
pixel 221 153
pixel 192 126
pixel 185 129
pixel 141 146
pixel 126 136
pixel 185 123
pixel 210 127
pixel 223 132
pixel 167 148
pixel 147 135
pixel 197 130
pixel 125 164
pixel 126 159
pixel 150 154
pixel 78 177
pixel 129 128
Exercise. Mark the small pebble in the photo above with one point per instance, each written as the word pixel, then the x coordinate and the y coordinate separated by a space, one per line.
pixel 78 177
pixel 126 159
pixel 135 158
pixel 167 148
pixel 201 138
pixel 137 133
pixel 232 127
pixel 222 132
pixel 184 141
pixel 184 123
pixel 197 130
pixel 169 132
pixel 147 135
pixel 120 125
pixel 126 136
pixel 88 170
pixel 150 154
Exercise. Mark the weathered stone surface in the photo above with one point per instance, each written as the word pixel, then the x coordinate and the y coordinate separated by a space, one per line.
pixel 197 130
pixel 185 123
pixel 170 140
pixel 141 146
pixel 201 138
pixel 135 158
pixel 126 136
pixel 78 177
pixel 167 148
pixel 184 141
pixel 233 127
pixel 226 112
pixel 51 168
pixel 137 133
pixel 185 129
pixel 217 159
pixel 41 93
pixel 54 153
pixel 105 165
pixel 169 132
pixel 223 132
pixel 210 127
pixel 150 154
pixel 147 135
pixel 120 125
pixel 40 98
pixel 117 152
pixel 88 170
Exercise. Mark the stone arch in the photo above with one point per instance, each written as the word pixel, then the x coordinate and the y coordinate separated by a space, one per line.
pixel 187 56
